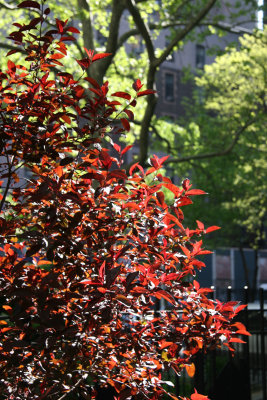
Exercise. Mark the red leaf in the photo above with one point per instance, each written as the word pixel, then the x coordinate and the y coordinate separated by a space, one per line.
pixel 56 56
pixel 145 92
pixel 102 271
pixel 194 192
pixel 89 282
pixel 200 225
pixel 134 166
pixel 243 332
pixel 125 124
pixel 67 39
pixel 165 295
pixel 116 174
pixel 240 308
pixel 11 65
pixel 173 188
pixel 190 369
pixel 130 114
pixel 124 95
pixel 236 340
pixel 29 3
pixel 133 103
pixel 186 184
pixel 72 29
pixel 100 55
pixel 84 63
pixel 212 228
pixel 185 250
pixel 12 52
pixel 196 285
pixel 197 396
pixel 165 344
pixel 117 147
pixel 137 85
pixel 93 82
pixel 66 118
pixel 126 149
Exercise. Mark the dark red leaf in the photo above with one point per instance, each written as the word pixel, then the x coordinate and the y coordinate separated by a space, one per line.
pixel 130 114
pixel 100 56
pixel 194 192
pixel 72 29
pixel 137 85
pixel 93 82
pixel 125 124
pixel 124 95
pixel 29 3
pixel 146 92
pixel 127 148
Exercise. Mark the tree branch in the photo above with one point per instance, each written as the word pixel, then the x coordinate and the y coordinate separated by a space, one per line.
pixel 88 36
pixel 153 26
pixel 143 28
pixel 181 34
pixel 7 6
pixel 101 67
pixel 215 153
pixel 12 47
pixel 72 389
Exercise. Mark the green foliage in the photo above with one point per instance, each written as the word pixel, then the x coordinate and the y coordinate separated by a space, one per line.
pixel 233 117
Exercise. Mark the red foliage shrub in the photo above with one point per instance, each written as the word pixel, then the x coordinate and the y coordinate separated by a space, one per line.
pixel 87 249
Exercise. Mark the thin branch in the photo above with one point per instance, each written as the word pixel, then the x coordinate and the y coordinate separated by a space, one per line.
pixel 143 28
pixel 161 138
pixel 153 26
pixel 88 37
pixel 77 384
pixel 12 47
pixel 181 34
pixel 10 165
pixel 112 40
pixel 215 153
pixel 7 6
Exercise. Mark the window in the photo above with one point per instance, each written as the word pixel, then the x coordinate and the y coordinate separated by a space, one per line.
pixel 200 56
pixel 169 87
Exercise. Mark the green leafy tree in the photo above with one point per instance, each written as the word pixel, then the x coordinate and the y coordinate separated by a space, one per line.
pixel 229 120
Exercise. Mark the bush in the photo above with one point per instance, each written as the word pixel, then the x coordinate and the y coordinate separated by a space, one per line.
pixel 88 249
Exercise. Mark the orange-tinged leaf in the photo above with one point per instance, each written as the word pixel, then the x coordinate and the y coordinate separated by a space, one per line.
pixel 190 369
pixel 236 340
pixel 7 308
pixel 243 332
pixel 200 225
pixel 100 56
pixel 212 228
pixel 198 396
pixel 195 192
pixel 66 118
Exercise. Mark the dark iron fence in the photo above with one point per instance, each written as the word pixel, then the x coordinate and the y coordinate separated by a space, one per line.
pixel 244 376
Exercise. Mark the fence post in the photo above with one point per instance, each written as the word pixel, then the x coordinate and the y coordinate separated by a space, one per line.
pixel 263 345
pixel 246 346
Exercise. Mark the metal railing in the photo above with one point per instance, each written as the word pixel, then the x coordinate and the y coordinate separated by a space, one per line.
pixel 244 376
